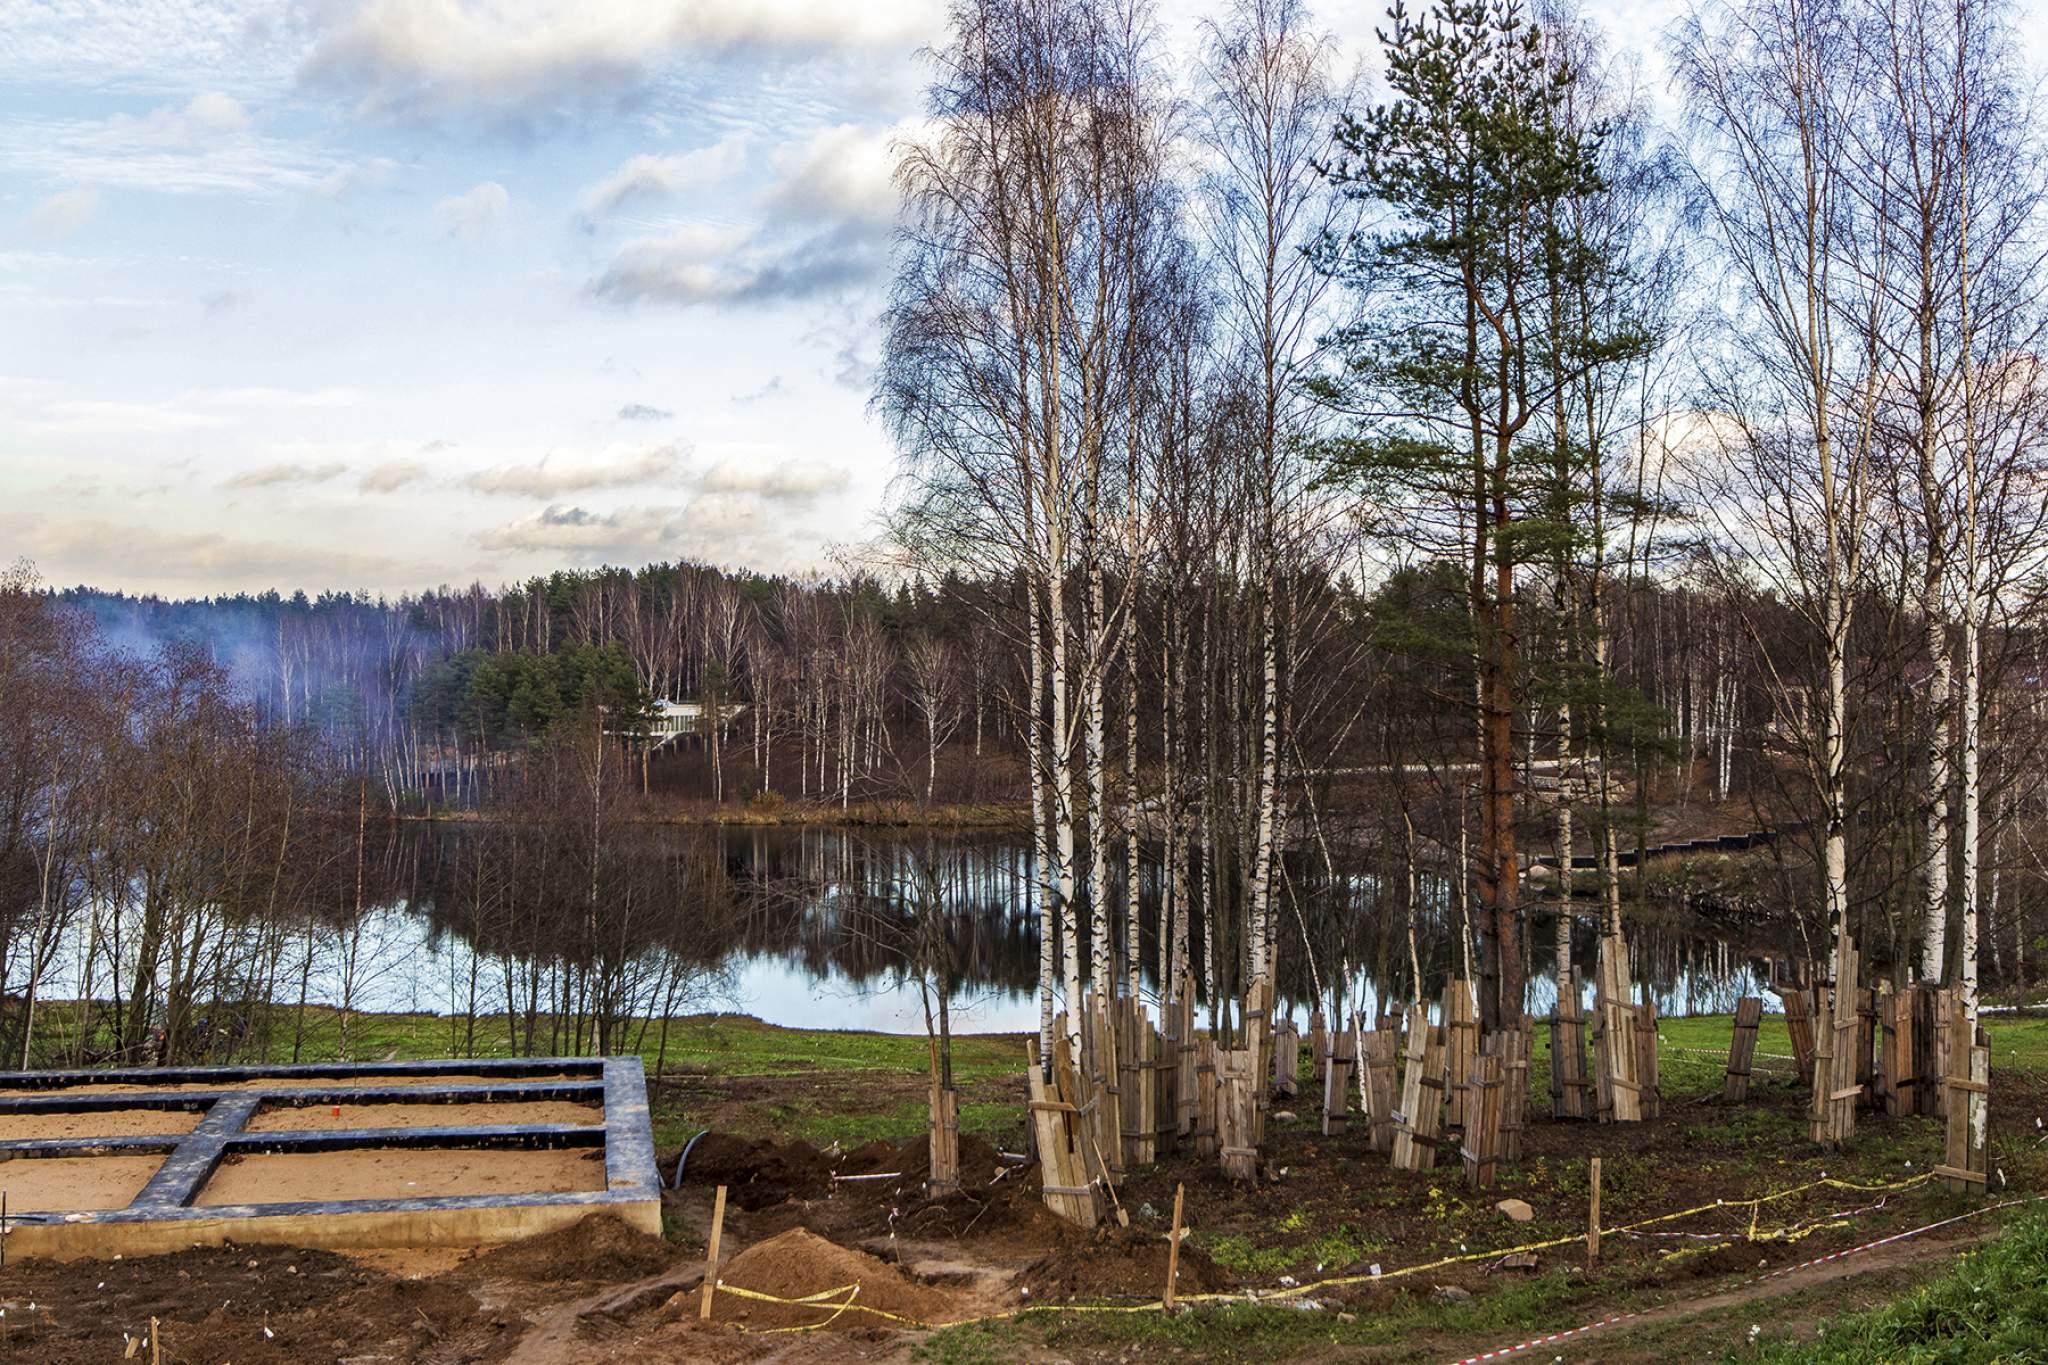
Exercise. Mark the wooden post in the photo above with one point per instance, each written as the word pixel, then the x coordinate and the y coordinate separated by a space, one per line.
pixel 1205 1097
pixel 1799 1025
pixel 1749 1012
pixel 1318 1044
pixel 156 1346
pixel 1420 1118
pixel 1173 1249
pixel 1651 1097
pixel 945 1142
pixel 1382 1077
pixel 1837 1023
pixel 711 1255
pixel 1461 1044
pixel 1516 1043
pixel 1616 1053
pixel 1186 1084
pixel 1237 1117
pixel 1593 1218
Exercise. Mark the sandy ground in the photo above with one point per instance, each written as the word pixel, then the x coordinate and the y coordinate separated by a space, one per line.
pixel 101 1123
pixel 290 1177
pixel 290 1083
pixel 72 1183
pixel 327 1117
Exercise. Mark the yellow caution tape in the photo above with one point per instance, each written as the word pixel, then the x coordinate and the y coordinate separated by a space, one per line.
pixel 1755 1205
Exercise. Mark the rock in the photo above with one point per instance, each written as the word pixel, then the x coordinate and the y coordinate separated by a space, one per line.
pixel 1516 1209
pixel 1347 1317
pixel 1450 1293
pixel 1284 1116
pixel 1517 1260
pixel 1147 1211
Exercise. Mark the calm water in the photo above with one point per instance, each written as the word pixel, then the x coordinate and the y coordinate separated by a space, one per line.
pixel 808 927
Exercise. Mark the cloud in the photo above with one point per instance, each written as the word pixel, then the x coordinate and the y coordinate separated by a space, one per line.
pixel 203 561
pixel 274 475
pixel 768 390
pixel 824 232
pixel 662 177
pixel 474 215
pixel 640 412
pixel 717 528
pixel 393 475
pixel 695 267
pixel 205 146
pixel 794 480
pixel 342 181
pixel 547 479
pixel 526 59
pixel 219 301
pixel 65 212
pixel 204 121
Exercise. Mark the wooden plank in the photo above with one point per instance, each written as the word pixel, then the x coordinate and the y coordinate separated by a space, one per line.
pixel 1749 1013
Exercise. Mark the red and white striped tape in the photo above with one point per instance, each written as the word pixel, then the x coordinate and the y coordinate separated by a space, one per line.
pixel 1503 1352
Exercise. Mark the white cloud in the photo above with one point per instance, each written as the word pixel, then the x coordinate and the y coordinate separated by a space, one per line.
pixel 203 121
pixel 65 212
pixel 373 174
pixel 845 171
pixel 548 479
pixel 716 528
pixel 199 560
pixel 275 475
pixel 790 479
pixel 661 177
pixel 699 265
pixel 519 57
pixel 474 215
pixel 393 475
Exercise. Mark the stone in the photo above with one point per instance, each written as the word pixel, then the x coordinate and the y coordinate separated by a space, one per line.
pixel 1450 1293
pixel 1516 1209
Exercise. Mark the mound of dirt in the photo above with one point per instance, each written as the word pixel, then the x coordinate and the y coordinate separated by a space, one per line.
pixel 1120 1263
pixel 600 1248
pixel 759 1174
pixel 798 1264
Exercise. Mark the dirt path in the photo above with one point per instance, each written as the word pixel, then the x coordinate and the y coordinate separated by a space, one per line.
pixel 1650 1334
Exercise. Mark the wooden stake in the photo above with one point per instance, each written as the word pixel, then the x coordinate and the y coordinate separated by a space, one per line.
pixel 1593 1218
pixel 711 1254
pixel 156 1347
pixel 1173 1248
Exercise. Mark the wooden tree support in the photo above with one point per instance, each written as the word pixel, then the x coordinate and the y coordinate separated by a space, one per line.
pixel 1137 1045
pixel 1461 1043
pixel 1205 1096
pixel 1617 1055
pixel 1319 1044
pixel 1799 1010
pixel 1185 1087
pixel 1570 1088
pixel 1286 1060
pixel 1237 1117
pixel 1419 1120
pixel 1382 1084
pixel 1483 1089
pixel 945 1142
pixel 1069 1189
pixel 1749 1012
pixel 1514 1046
pixel 1647 1077
pixel 1105 1089
pixel 1831 1112
pixel 1337 1081
pixel 1966 1167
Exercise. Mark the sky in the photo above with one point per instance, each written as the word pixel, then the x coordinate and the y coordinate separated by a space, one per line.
pixel 377 295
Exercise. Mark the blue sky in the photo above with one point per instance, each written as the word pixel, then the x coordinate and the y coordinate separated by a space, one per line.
pixel 380 294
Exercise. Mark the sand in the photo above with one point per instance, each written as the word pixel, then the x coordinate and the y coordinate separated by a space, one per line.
pixel 291 1083
pixel 323 1118
pixel 68 1184
pixel 369 1173
pixel 100 1123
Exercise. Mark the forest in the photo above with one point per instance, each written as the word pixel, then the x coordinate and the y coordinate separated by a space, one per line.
pixel 1326 484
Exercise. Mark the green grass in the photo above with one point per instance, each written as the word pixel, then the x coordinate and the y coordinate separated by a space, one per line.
pixel 1991 1306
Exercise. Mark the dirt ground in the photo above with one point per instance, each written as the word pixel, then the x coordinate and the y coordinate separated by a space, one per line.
pixel 876 1260
pixel 396 1173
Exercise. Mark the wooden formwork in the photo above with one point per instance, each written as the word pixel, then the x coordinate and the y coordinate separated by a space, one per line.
pixel 1749 1012
pixel 1966 1166
pixel 1460 1020
pixel 1237 1120
pixel 1337 1081
pixel 1831 1112
pixel 1318 1045
pixel 1483 1087
pixel 1137 1045
pixel 1286 1060
pixel 1068 1184
pixel 1570 1088
pixel 1419 1120
pixel 1104 1091
pixel 1382 1084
